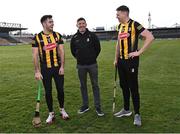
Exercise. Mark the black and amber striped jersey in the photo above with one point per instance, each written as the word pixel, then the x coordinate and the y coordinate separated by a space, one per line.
pixel 128 36
pixel 48 48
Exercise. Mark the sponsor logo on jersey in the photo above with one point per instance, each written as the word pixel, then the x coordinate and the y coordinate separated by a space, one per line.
pixel 123 35
pixel 50 46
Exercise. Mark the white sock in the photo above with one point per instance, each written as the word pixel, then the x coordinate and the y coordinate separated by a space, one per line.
pixel 51 113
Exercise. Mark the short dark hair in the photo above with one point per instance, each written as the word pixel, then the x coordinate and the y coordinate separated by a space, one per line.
pixel 123 8
pixel 45 17
pixel 81 18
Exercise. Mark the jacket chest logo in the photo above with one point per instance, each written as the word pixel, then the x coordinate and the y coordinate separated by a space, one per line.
pixel 77 41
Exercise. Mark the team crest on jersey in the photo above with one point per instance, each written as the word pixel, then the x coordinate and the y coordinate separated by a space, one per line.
pixel 123 35
pixel 123 29
pixel 50 46
pixel 87 39
pixel 49 40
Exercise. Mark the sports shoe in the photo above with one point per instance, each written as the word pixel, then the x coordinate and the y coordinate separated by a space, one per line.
pixel 63 114
pixel 83 109
pixel 99 112
pixel 137 120
pixel 50 118
pixel 123 113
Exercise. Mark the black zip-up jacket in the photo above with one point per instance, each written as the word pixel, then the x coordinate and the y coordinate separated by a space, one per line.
pixel 85 47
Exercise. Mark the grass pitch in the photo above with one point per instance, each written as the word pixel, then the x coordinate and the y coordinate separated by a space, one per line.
pixel 159 80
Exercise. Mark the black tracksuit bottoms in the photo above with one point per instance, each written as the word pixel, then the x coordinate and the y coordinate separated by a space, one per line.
pixel 48 74
pixel 128 75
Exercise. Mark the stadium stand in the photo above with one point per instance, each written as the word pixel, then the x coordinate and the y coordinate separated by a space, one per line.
pixel 5 29
pixel 106 35
pixel 8 38
pixel 166 32
pixel 24 38
pixel 3 41
pixel 159 33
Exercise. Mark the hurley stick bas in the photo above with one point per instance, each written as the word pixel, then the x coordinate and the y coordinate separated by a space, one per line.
pixel 114 89
pixel 36 120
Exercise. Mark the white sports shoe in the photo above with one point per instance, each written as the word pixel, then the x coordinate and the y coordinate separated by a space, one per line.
pixel 137 120
pixel 50 118
pixel 63 114
pixel 122 113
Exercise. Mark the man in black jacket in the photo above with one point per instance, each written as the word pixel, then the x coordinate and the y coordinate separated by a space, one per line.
pixel 85 47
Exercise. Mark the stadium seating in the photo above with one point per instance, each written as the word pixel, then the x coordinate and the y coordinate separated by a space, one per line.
pixel 3 41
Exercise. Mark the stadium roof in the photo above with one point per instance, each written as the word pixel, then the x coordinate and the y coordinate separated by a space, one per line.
pixel 7 27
